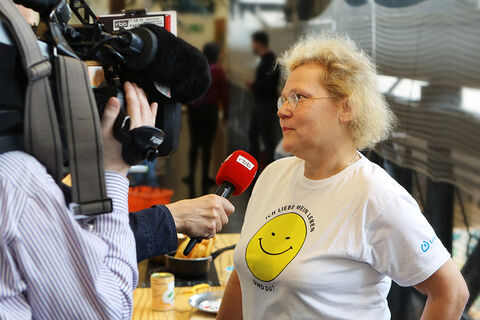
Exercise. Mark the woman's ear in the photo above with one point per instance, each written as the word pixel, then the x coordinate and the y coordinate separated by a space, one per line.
pixel 346 112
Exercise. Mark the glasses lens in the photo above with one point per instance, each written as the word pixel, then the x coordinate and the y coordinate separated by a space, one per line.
pixel 280 102
pixel 292 100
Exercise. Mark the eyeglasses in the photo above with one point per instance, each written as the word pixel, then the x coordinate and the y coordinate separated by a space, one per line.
pixel 293 99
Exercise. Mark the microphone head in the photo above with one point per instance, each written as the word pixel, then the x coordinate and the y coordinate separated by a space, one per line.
pixel 239 169
pixel 177 65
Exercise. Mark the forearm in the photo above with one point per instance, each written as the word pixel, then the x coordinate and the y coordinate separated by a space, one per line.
pixel 119 265
pixel 447 293
pixel 154 230
pixel 231 307
pixel 442 308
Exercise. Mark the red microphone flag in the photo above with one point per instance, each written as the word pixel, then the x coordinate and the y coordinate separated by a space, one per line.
pixel 239 169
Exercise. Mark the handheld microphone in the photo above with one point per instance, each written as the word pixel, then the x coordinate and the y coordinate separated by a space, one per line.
pixel 234 176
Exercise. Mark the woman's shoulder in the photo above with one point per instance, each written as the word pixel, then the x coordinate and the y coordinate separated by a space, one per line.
pixel 283 164
pixel 279 169
pixel 378 185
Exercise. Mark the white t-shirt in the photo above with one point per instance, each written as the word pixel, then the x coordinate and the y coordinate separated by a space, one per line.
pixel 328 249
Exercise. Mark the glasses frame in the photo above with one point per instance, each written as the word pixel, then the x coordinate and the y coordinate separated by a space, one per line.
pixel 293 98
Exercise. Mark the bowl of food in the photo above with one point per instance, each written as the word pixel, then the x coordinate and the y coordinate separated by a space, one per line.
pixel 161 259
pixel 197 263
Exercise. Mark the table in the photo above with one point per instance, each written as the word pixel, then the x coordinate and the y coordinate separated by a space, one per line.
pixel 182 310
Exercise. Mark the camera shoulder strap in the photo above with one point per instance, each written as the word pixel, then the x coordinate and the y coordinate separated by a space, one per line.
pixel 78 111
pixel 84 137
pixel 41 133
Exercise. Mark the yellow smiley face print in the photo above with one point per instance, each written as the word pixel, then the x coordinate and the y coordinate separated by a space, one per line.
pixel 276 244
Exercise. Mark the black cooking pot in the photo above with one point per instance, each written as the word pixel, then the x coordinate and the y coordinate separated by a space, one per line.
pixel 191 268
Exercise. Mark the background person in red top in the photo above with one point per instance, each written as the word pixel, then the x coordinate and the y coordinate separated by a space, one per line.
pixel 203 119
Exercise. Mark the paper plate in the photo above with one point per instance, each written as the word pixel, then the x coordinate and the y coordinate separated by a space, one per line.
pixel 207 302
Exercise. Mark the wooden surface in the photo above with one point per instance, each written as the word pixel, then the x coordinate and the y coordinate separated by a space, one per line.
pixel 182 310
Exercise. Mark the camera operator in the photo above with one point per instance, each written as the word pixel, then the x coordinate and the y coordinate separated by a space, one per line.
pixel 50 267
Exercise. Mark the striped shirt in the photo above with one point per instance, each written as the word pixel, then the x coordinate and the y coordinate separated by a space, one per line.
pixel 50 267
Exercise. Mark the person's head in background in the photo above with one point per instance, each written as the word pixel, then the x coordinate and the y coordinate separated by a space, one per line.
pixel 211 50
pixel 260 43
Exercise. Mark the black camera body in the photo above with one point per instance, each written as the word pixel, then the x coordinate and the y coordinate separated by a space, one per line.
pixel 169 70
pixel 49 110
pixel 120 54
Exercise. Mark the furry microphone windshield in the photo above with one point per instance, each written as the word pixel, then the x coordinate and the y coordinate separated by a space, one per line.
pixel 177 65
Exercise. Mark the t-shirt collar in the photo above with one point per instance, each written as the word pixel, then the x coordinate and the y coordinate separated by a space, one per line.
pixel 333 179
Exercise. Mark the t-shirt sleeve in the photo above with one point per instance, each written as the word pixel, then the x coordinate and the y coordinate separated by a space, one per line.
pixel 403 245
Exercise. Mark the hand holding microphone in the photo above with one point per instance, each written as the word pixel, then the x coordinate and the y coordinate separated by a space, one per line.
pixel 201 217
pixel 234 176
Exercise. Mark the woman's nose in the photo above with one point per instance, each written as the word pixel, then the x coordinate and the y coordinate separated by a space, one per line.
pixel 284 111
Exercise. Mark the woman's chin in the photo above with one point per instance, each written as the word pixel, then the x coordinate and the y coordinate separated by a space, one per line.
pixel 288 146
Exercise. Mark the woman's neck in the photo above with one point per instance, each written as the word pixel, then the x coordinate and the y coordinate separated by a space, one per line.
pixel 326 163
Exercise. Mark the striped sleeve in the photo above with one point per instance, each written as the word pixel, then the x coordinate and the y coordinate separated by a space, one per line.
pixel 114 229
pixel 51 268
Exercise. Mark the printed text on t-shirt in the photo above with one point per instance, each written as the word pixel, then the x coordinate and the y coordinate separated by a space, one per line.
pixel 299 208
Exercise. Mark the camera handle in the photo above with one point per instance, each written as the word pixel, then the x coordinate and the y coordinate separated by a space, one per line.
pixel 138 144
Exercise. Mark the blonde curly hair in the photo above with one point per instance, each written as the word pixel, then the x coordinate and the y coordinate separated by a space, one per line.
pixel 349 73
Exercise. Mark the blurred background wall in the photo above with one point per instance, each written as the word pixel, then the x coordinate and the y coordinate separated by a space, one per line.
pixel 428 52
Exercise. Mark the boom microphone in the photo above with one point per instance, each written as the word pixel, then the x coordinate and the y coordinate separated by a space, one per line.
pixel 176 65
pixel 234 176
pixel 41 6
pixel 169 70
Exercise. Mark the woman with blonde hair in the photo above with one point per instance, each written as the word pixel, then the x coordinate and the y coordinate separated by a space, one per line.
pixel 327 230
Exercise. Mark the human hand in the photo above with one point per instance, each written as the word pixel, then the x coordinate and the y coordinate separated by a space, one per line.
pixel 141 114
pixel 28 14
pixel 201 217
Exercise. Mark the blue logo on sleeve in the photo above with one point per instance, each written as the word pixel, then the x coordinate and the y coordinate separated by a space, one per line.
pixel 426 244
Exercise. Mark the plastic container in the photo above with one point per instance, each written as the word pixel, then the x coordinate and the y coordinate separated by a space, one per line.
pixel 142 197
pixel 163 291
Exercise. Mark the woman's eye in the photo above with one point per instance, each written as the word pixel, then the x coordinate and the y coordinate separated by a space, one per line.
pixel 300 96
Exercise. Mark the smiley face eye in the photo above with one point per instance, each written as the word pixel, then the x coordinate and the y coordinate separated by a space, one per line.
pixel 273 233
pixel 287 238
